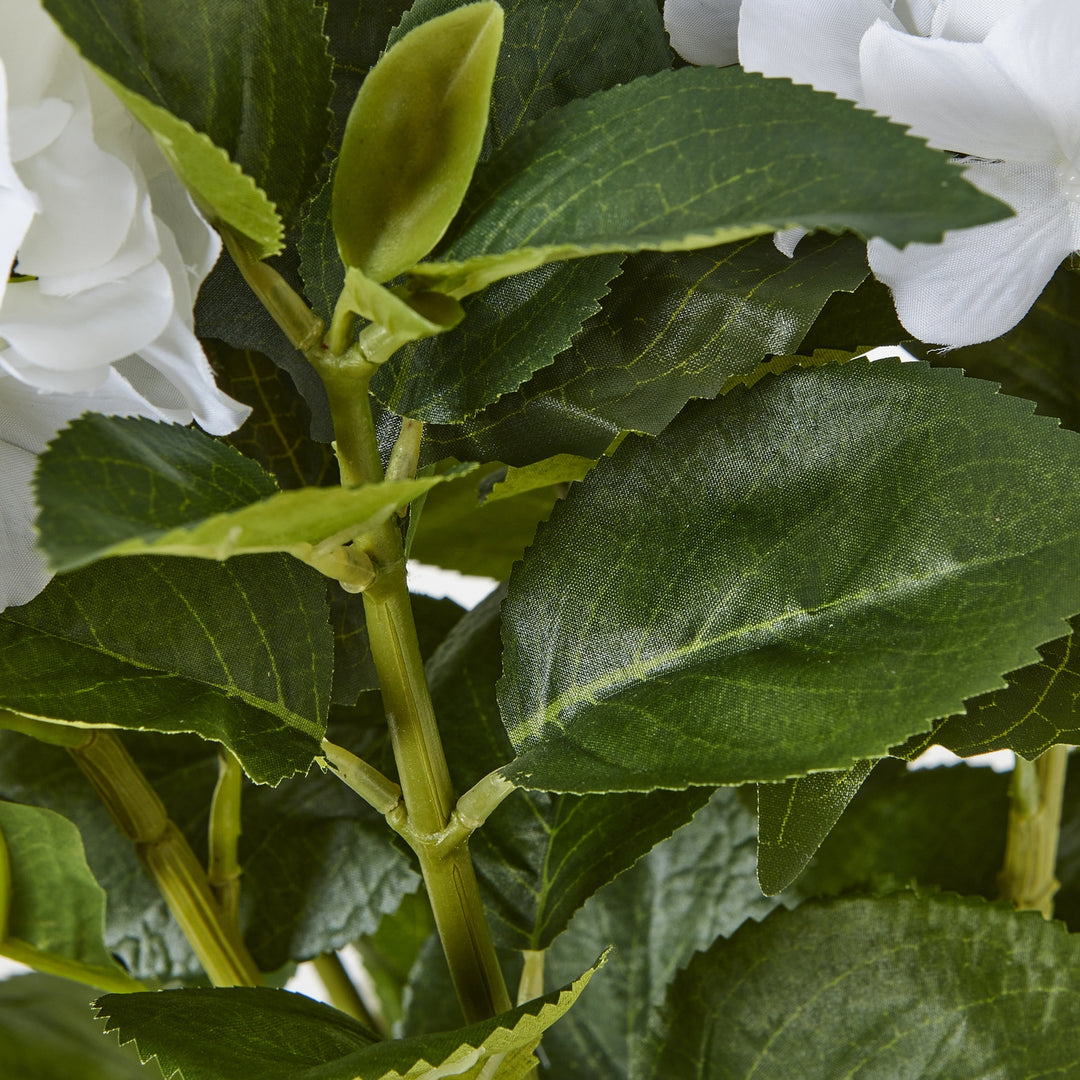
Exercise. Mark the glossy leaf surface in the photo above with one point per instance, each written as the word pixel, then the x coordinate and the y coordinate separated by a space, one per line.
pixel 905 986
pixel 795 817
pixel 220 67
pixel 675 326
pixel 790 578
pixel 680 154
pixel 238 652
pixel 539 857
pixel 286 1035
pixel 412 140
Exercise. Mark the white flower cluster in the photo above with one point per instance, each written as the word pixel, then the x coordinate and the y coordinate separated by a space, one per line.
pixel 106 253
pixel 996 81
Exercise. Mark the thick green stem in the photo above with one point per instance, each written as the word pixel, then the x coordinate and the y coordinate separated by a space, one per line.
pixel 224 836
pixel 1027 877
pixel 165 852
pixel 342 991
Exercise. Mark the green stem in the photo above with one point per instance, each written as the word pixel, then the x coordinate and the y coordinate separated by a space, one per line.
pixel 531 984
pixel 224 837
pixel 370 784
pixel 56 733
pixel 165 852
pixel 1027 877
pixel 343 994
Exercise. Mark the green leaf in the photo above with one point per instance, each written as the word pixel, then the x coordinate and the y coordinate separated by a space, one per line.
pixel 219 67
pixel 276 433
pixel 903 986
pixel 681 155
pixel 795 817
pixel 852 321
pixel 47 1032
pixel 860 546
pixel 676 326
pixel 319 869
pixel 412 140
pixel 223 190
pixel 238 652
pixel 406 315
pixel 1038 708
pixel 689 889
pixel 561 469
pixel 55 909
pixel 279 1034
pixel 131 486
pixel 538 857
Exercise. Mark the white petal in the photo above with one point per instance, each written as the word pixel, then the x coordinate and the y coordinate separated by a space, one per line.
pixel 704 31
pixel 61 336
pixel 970 20
pixel 17 205
pixel 787 240
pixel 33 127
pixel 980 282
pixel 809 43
pixel 953 94
pixel 88 200
pixel 1038 47
pixel 34 52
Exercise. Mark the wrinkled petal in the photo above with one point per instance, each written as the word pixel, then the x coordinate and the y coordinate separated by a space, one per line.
pixel 704 31
pixel 41 66
pixel 970 20
pixel 17 205
pixel 1038 48
pixel 980 282
pixel 953 94
pixel 56 337
pixel 809 43
pixel 34 127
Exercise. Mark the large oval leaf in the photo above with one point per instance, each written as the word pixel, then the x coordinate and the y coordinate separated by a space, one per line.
pixel 791 578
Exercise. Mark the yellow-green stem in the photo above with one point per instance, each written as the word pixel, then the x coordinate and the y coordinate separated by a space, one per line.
pixel 342 991
pixel 165 852
pixel 224 836
pixel 1027 877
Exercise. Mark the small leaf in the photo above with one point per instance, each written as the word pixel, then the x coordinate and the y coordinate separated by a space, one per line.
pixel 412 140
pixel 279 1034
pixel 676 161
pixel 842 533
pixel 56 917
pixel 47 1032
pixel 561 469
pixel 904 986
pixel 676 326
pixel 795 817
pixel 408 316
pixel 238 652
pixel 131 486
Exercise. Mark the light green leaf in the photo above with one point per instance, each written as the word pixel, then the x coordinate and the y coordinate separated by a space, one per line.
pixel 682 155
pixel 560 469
pixel 55 909
pixel 675 326
pixel 219 67
pixel 907 987
pixel 795 817
pixel 859 546
pixel 239 652
pixel 412 140
pixel 318 866
pixel 47 1032
pixel 131 486
pixel 538 857
pixel 407 316
pixel 279 1034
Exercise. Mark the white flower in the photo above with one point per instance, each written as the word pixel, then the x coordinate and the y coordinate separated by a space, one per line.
pixel 110 254
pixel 996 80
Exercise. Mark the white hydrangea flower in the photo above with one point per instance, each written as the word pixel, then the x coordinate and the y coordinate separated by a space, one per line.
pixel 996 80
pixel 108 254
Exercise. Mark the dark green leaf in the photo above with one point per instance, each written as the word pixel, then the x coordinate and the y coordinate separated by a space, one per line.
pixel 538 857
pixel 675 326
pixel 283 1035
pixel 56 912
pixel 850 321
pixel 318 866
pixel 239 652
pixel 860 546
pixel 795 817
pixel 1038 708
pixel 681 155
pixel 904 986
pixel 221 67
pixel 276 433
pixel 47 1032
